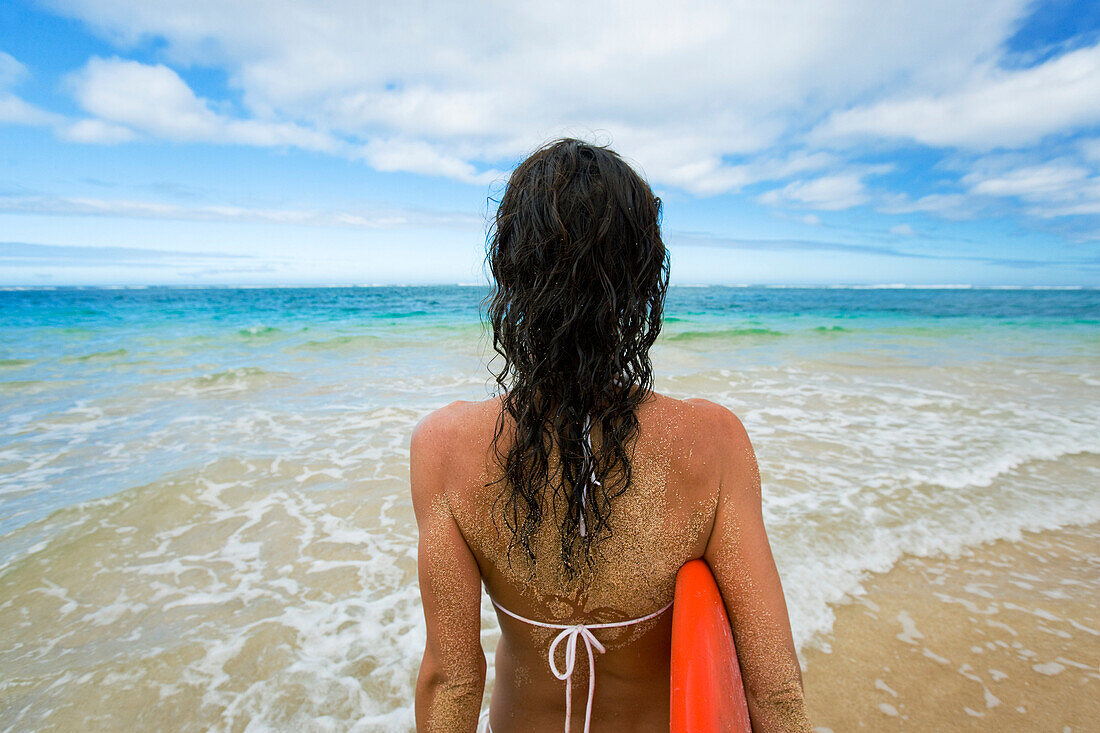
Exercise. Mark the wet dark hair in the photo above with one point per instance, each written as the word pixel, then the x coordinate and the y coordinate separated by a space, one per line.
pixel 580 274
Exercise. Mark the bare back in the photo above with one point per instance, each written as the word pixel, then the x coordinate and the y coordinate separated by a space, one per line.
pixel 667 516
pixel 659 523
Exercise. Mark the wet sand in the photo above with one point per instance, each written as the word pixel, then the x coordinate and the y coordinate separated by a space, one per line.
pixel 205 520
pixel 1004 637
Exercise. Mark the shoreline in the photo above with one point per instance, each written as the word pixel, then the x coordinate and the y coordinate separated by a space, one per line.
pixel 1005 636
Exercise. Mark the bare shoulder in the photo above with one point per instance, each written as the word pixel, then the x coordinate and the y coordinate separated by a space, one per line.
pixel 433 439
pixel 437 426
pixel 430 436
pixel 440 430
pixel 448 438
pixel 732 454
pixel 699 418
pixel 723 442
pixel 716 420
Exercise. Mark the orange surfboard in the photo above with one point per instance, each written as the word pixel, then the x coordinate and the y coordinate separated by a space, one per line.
pixel 707 693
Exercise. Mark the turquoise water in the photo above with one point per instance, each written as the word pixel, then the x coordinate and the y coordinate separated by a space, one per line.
pixel 203 492
pixel 143 359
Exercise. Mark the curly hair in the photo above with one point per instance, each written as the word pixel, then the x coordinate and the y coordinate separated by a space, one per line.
pixel 580 274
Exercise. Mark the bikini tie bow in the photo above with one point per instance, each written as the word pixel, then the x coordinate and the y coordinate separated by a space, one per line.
pixel 569 635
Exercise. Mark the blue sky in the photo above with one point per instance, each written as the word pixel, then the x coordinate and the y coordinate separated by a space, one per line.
pixel 341 142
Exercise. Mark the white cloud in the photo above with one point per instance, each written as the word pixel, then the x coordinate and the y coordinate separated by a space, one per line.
pixel 1087 204
pixel 329 218
pixel 710 175
pixel 11 71
pixel 710 98
pixel 947 205
pixel 16 111
pixel 696 90
pixel 1032 182
pixel 1057 187
pixel 96 131
pixel 1053 189
pixel 156 101
pixel 998 107
pixel 830 193
pixel 13 109
pixel 902 230
pixel 421 157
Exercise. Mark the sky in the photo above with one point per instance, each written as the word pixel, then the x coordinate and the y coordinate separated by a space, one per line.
pixel 808 142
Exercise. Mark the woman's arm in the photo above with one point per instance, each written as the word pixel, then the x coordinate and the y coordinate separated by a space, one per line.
pixel 452 674
pixel 741 559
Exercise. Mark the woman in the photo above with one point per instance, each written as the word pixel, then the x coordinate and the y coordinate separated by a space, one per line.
pixel 577 493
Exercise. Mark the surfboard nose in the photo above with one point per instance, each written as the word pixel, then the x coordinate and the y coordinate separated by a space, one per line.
pixel 707 694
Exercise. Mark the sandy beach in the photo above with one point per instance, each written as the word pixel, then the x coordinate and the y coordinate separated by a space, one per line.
pixel 205 520
pixel 1005 637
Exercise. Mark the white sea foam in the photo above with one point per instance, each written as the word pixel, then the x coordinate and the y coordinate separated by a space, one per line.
pixel 235 536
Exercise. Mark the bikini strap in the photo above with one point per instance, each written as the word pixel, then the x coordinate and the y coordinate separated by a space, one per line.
pixel 569 634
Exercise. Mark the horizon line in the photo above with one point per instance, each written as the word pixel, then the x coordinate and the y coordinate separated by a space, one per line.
pixel 319 286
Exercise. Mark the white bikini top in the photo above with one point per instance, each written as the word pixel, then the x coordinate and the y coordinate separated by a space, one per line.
pixel 570 632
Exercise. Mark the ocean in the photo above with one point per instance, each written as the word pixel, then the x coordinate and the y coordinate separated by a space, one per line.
pixel 204 511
